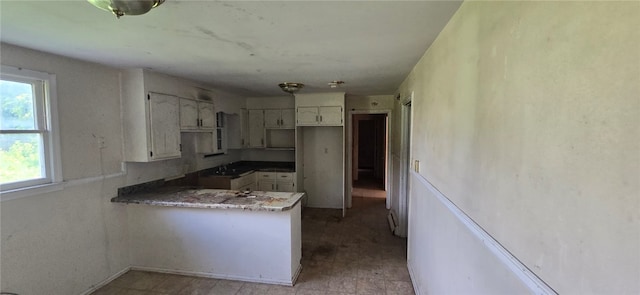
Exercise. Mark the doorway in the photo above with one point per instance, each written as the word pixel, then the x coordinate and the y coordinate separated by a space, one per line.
pixel 369 149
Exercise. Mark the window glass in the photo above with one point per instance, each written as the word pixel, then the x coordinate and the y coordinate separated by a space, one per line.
pixel 16 102
pixel 29 152
pixel 21 157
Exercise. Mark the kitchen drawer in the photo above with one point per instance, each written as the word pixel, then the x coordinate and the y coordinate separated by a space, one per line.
pixel 285 176
pixel 266 176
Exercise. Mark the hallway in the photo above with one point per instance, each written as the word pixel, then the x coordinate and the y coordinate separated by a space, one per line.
pixel 354 255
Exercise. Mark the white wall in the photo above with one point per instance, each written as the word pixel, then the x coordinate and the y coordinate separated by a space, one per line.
pixel 246 245
pixel 527 118
pixel 323 161
pixel 67 241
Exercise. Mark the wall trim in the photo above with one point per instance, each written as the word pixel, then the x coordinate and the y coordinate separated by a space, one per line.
pixel 106 281
pixel 521 271
pixel 412 276
pixel 220 276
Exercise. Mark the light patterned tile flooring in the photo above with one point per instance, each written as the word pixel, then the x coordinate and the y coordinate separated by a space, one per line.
pixel 352 255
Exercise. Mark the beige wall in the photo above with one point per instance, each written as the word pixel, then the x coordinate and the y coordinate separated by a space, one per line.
pixel 527 117
pixel 69 240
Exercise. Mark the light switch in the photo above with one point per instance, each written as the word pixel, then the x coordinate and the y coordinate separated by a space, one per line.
pixel 416 166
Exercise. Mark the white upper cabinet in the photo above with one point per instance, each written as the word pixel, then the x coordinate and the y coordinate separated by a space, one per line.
pixel 320 109
pixel 151 120
pixel 283 118
pixel 207 115
pixel 163 125
pixel 189 114
pixel 196 115
pixel 330 116
pixel 256 129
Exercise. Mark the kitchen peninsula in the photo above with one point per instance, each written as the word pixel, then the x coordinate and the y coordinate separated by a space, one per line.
pixel 240 235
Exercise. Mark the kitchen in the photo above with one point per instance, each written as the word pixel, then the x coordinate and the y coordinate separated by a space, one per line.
pixel 521 150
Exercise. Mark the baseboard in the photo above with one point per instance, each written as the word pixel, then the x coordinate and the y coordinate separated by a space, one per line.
pixel 416 288
pixel 105 282
pixel 217 276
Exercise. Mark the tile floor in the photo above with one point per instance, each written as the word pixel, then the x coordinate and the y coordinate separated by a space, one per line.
pixel 352 255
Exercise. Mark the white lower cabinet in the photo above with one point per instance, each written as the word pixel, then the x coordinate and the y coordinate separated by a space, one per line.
pixel 244 182
pixel 276 181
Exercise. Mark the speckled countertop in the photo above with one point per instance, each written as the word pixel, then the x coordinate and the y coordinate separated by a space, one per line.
pixel 193 197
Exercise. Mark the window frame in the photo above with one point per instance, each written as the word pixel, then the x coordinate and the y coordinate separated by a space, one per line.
pixel 46 120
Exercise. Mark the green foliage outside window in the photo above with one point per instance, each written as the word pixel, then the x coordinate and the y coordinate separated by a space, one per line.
pixel 19 152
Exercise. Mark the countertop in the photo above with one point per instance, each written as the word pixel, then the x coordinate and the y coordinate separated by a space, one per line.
pixel 194 197
pixel 238 169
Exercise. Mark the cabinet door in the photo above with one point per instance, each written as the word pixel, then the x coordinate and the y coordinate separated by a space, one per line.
pixel 188 114
pixel 164 121
pixel 307 116
pixel 330 116
pixel 256 128
pixel 207 115
pixel 286 186
pixel 271 118
pixel 288 118
pixel 267 186
pixel 244 126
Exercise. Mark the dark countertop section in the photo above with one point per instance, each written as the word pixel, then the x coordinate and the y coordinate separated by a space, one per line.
pixel 232 170
pixel 193 197
pixel 236 169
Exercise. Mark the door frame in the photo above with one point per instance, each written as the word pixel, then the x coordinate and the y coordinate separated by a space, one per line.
pixel 349 160
pixel 406 127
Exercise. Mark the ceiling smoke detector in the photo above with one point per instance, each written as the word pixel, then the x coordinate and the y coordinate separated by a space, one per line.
pixel 126 7
pixel 291 87
pixel 335 84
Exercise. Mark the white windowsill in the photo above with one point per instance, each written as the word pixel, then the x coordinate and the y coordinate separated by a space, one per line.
pixel 30 191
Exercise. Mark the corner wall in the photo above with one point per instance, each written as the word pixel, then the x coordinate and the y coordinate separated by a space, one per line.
pixel 70 240
pixel 527 119
pixel 66 241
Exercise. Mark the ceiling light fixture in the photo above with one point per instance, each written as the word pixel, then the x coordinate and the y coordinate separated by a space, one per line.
pixel 126 7
pixel 291 87
pixel 335 84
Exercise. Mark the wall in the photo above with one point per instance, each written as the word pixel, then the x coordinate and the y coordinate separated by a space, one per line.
pixel 69 240
pixel 246 245
pixel 64 242
pixel 323 149
pixel 527 118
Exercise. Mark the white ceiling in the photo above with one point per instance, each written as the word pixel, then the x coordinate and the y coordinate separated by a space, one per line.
pixel 246 47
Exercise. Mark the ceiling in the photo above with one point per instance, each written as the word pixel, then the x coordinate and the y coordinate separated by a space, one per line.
pixel 245 47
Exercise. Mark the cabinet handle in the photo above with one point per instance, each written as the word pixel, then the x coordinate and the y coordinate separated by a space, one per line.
pixel 317 118
pixel 321 118
pixel 272 186
pixel 276 186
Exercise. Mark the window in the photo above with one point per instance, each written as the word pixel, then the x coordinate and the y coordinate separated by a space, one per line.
pixel 28 130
